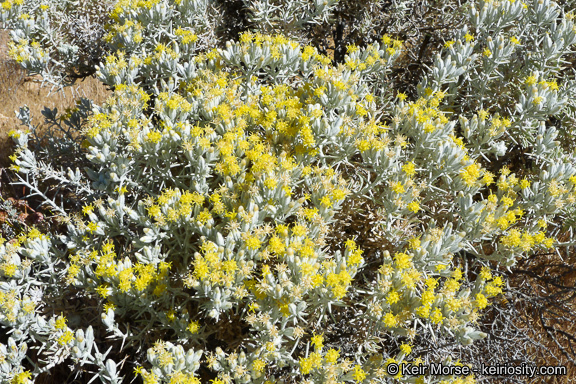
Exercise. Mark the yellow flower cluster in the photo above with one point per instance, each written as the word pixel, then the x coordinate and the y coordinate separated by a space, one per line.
pixel 8 4
pixel 123 7
pixel 129 28
pixel 26 50
pixel 12 306
pixel 525 241
pixel 114 277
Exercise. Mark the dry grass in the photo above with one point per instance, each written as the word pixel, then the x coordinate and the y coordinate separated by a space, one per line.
pixel 17 89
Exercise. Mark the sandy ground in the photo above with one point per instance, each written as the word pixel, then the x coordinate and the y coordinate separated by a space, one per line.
pixel 17 90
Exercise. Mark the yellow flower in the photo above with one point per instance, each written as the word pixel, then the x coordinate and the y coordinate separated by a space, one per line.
pixel 204 216
pixel 393 297
pixel 403 261
pixel 299 230
pixel 107 306
pixel 397 187
pixel 153 137
pixel 15 134
pixel 270 183
pixel 332 356
pixel 88 209
pixel 351 48
pixel 530 80
pixel 485 273
pixel 488 178
pixel 363 145
pixel 548 243
pixel 317 341
pixel 409 169
pixel 325 201
pixel 390 320
pixel 482 114
pixel 431 282
pixel 436 316
pixel 102 290
pixel 428 298
pixel 339 194
pixel 339 291
pixel 66 338
pixel 92 227
pixel 423 311
pixel 253 243
pixel 306 365
pixel 414 206
pixel 9 269
pixel 359 374
pixel 507 201
pixel 21 378
pixel 193 327
pixel 356 257
pixel 524 184
pixel 414 242
pixel 481 301
pixel 350 244
pixel 60 322
pixel 470 174
pixel 258 365
pixel 407 349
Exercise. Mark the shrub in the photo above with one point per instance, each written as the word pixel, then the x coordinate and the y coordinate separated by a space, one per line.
pixel 210 209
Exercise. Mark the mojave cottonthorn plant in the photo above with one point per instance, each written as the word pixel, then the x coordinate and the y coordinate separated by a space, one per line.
pixel 199 208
